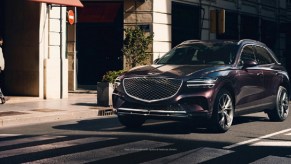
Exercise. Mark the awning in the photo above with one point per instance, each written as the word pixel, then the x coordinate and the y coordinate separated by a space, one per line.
pixel 75 3
pixel 99 12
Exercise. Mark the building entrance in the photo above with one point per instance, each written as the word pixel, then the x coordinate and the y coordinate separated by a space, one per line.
pixel 99 40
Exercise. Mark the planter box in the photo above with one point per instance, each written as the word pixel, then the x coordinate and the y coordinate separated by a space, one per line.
pixel 104 94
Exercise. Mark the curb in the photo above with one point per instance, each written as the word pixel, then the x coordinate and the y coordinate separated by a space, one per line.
pixel 27 119
pixel 21 111
pixel 38 117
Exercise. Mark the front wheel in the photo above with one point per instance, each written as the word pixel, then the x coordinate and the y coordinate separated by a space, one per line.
pixel 281 110
pixel 223 112
pixel 131 121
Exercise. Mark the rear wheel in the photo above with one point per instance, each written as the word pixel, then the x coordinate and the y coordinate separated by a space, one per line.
pixel 131 121
pixel 223 112
pixel 281 110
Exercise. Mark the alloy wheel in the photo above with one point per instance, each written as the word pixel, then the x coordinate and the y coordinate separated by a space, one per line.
pixel 225 111
pixel 283 104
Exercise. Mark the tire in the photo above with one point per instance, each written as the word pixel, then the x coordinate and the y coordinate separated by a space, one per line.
pixel 131 121
pixel 281 110
pixel 222 113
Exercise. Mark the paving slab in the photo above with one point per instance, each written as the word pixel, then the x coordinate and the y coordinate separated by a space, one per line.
pixel 20 110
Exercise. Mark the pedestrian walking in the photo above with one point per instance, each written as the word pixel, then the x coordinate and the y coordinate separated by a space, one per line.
pixel 2 67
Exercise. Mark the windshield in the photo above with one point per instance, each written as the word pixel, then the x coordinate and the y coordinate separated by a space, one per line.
pixel 201 54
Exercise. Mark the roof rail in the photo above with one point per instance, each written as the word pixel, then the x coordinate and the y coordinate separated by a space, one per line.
pixel 190 41
pixel 249 41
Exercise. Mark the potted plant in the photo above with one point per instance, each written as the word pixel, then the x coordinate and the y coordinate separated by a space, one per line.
pixel 105 88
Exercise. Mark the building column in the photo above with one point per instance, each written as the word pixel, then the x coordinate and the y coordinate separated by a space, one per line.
pixel 56 63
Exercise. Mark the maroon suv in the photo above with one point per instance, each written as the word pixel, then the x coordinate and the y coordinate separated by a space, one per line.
pixel 213 80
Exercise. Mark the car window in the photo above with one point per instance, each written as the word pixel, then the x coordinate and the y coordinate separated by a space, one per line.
pixel 247 54
pixel 263 56
pixel 200 54
pixel 181 55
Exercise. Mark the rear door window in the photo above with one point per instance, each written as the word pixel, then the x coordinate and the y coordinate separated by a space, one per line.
pixel 263 56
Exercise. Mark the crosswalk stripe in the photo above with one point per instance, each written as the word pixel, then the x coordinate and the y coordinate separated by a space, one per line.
pixel 9 135
pixel 44 147
pixel 28 139
pixel 105 153
pixel 289 134
pixel 256 139
pixel 272 160
pixel 273 143
pixel 193 156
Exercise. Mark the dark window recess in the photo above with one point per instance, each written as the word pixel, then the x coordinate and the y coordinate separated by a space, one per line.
pixel 186 20
pixel 231 27
pixel 99 40
pixel 269 30
pixel 249 27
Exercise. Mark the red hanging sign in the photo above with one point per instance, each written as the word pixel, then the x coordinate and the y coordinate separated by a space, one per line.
pixel 71 17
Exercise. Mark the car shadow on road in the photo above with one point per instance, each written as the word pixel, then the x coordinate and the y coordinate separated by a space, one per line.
pixel 86 104
pixel 111 124
pixel 248 119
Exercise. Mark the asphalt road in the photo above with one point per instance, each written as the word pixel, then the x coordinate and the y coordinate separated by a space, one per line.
pixel 252 139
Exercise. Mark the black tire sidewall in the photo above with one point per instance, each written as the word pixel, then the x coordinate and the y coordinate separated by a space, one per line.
pixel 277 116
pixel 214 125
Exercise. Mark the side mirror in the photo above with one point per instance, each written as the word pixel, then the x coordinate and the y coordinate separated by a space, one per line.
pixel 249 63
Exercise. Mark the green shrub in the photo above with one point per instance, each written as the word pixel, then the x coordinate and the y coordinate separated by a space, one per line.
pixel 135 46
pixel 110 76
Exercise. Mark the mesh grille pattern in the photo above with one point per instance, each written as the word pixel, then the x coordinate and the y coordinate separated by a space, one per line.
pixel 151 89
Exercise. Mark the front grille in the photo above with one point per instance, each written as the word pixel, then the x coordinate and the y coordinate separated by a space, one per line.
pixel 151 89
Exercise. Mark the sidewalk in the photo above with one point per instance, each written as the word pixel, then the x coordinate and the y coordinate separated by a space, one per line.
pixel 32 110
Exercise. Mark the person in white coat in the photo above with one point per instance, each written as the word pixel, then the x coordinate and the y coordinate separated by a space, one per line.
pixel 2 67
pixel 2 61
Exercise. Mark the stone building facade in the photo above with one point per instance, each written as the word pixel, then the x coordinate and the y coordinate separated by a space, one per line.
pixel 47 57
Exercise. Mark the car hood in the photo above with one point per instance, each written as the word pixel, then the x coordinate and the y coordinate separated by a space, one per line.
pixel 174 71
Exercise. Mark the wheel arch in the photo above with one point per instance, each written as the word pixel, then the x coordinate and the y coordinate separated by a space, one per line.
pixel 227 86
pixel 286 84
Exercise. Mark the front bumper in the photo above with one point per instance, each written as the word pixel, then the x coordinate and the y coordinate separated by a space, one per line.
pixel 151 113
pixel 184 108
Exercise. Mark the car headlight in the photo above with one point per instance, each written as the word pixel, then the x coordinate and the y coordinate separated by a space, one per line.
pixel 201 83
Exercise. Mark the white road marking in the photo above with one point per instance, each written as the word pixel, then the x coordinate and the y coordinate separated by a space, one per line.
pixel 289 134
pixel 51 146
pixel 28 139
pixel 272 160
pixel 9 135
pixel 107 152
pixel 193 156
pixel 273 143
pixel 256 139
